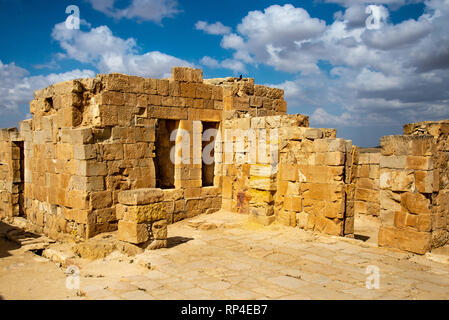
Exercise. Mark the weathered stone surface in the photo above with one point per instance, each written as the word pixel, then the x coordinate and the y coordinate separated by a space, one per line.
pixel 132 232
pixel 405 239
pixel 397 180
pixel 145 213
pixel 140 196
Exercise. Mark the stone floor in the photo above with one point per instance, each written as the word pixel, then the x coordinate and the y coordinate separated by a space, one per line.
pixel 221 256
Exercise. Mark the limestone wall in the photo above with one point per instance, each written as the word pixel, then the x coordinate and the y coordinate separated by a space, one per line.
pixel 11 174
pixel 409 182
pixel 367 193
pixel 90 139
pixel 315 182
pixel 305 180
pixel 439 130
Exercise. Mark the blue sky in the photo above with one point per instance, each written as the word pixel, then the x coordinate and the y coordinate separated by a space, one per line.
pixel 365 81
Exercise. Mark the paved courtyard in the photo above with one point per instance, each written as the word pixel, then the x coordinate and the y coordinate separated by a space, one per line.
pixel 221 256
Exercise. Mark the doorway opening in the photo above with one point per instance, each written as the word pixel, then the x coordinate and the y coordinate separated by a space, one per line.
pixel 165 167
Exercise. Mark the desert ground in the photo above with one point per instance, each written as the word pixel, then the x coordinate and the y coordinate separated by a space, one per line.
pixel 220 256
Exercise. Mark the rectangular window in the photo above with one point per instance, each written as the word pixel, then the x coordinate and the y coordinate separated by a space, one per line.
pixel 208 152
pixel 165 168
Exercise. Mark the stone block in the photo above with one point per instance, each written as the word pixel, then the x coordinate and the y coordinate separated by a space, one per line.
pixel 366 183
pixel 168 113
pixel 405 239
pixel 323 191
pixel 262 183
pixel 293 203
pixel 84 152
pixel 132 232
pixel 287 218
pixel 257 196
pixel 397 180
pixel 424 181
pixel 91 168
pixel 95 183
pixel 390 200
pixel 416 203
pixel 393 162
pixel 173 194
pixel 108 115
pixel 328 226
pixel 366 194
pixel 422 145
pixel 140 196
pixel 113 151
pixel 419 163
pixel 112 98
pixel 318 174
pixel 159 230
pixel 395 145
pixel 145 213
pixel 100 200
pixel 163 87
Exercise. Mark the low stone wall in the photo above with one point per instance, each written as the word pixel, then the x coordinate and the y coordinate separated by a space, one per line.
pixel 305 180
pixel 367 193
pixel 142 218
pixel 186 203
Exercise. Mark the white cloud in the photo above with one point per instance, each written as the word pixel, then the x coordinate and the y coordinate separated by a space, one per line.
pixel 216 28
pixel 408 32
pixel 394 4
pixel 235 65
pixel 17 87
pixel 108 53
pixel 355 16
pixel 272 37
pixel 391 75
pixel 146 10
pixel 210 62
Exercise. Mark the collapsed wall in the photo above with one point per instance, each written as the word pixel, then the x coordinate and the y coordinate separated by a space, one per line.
pixel 288 172
pixel 90 139
pixel 128 153
pixel 414 187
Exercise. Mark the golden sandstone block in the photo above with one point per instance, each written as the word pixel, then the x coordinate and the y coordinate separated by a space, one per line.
pixel 132 232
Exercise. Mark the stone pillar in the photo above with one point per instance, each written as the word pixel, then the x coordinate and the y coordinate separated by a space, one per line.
pixel 407 181
pixel 262 186
pixel 142 218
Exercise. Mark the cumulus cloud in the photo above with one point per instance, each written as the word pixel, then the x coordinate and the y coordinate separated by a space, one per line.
pixel 355 16
pixel 236 66
pixel 276 37
pixel 390 75
pixel 408 32
pixel 17 86
pixel 108 53
pixel 216 28
pixel 394 4
pixel 142 10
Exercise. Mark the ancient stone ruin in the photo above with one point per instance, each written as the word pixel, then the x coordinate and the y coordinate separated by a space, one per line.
pixel 125 153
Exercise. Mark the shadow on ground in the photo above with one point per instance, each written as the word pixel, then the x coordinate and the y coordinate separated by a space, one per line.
pixel 361 237
pixel 175 241
pixel 10 237
pixel 6 245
